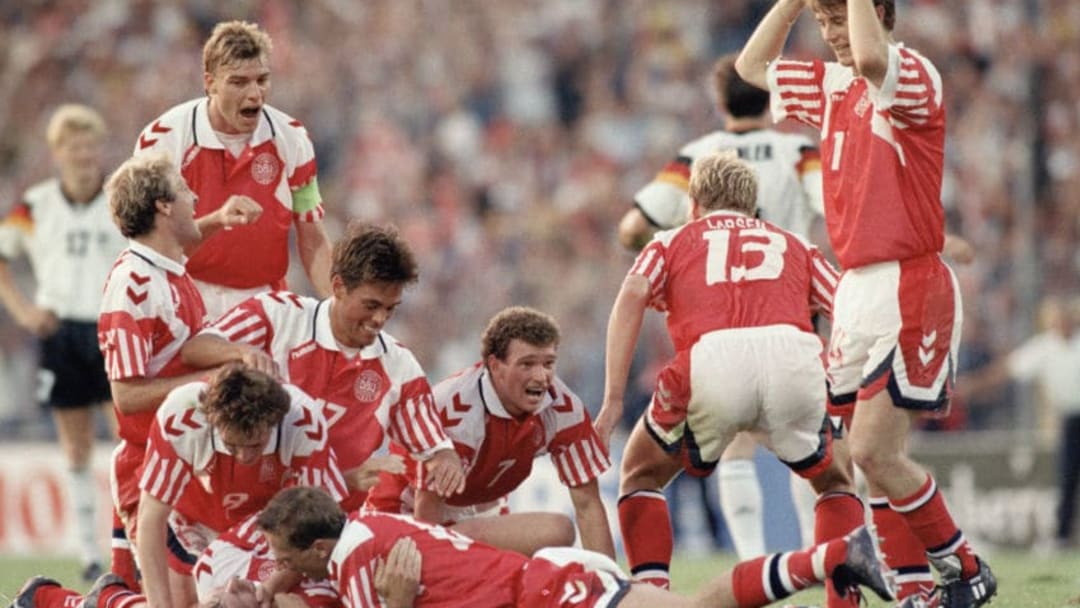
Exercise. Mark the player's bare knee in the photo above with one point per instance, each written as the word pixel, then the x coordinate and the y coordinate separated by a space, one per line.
pixel 833 479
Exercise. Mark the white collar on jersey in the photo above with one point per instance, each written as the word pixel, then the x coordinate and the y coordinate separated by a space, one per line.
pixel 731 212
pixel 324 334
pixel 207 138
pixel 491 399
pixel 151 255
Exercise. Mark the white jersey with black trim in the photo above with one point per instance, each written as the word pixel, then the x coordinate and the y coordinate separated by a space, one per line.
pixel 71 247
pixel 787 165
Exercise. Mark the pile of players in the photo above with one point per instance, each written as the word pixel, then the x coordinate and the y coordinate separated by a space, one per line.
pixel 252 419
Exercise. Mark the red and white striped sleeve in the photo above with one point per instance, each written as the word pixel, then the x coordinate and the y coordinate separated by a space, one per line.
pixel 128 323
pixel 651 264
pixel 414 422
pixel 797 91
pixel 578 455
pixel 911 90
pixel 823 279
pixel 165 474
pixel 248 322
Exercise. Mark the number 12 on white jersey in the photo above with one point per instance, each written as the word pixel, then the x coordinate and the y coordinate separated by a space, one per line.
pixel 771 244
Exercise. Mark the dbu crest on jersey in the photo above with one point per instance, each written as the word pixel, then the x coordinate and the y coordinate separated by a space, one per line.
pixel 266 568
pixel 264 168
pixel 368 386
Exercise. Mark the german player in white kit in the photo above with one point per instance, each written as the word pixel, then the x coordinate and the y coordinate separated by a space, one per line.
pixel 502 413
pixel 738 293
pixel 63 225
pixel 788 168
pixel 237 152
pixel 879 108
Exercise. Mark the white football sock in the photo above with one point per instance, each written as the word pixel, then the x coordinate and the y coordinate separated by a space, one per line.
pixel 803 499
pixel 84 508
pixel 740 501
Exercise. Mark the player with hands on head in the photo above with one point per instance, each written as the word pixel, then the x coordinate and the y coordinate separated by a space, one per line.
pixel 738 293
pixel 337 351
pixel 897 316
pixel 501 413
pixel 253 163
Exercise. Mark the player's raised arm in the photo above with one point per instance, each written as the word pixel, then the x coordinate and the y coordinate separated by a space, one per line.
pixel 869 40
pixel 767 41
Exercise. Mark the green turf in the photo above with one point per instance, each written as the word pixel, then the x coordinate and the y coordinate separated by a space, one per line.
pixel 1025 580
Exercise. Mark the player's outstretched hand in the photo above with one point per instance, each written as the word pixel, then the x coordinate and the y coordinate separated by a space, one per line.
pixel 397 578
pixel 445 474
pixel 239 210
pixel 365 476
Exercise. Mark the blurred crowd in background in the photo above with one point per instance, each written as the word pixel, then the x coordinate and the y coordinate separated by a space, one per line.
pixel 505 138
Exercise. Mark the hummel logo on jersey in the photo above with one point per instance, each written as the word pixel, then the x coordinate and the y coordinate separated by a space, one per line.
pixel 573 592
pixel 566 406
pixel 458 407
pixel 138 278
pixel 157 128
pixel 136 297
pixel 176 425
pixel 926 353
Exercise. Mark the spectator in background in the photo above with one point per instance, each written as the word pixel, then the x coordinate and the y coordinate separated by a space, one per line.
pixel 234 148
pixel 1051 360
pixel 64 225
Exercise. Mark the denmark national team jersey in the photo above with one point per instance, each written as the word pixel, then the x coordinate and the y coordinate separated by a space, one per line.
pixel 726 270
pixel 71 247
pixel 276 169
pixel 242 552
pixel 380 389
pixel 882 152
pixel 787 165
pixel 184 448
pixel 458 572
pixel 149 309
pixel 497 449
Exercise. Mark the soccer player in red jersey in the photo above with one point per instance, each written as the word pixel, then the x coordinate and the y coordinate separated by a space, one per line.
pixel 149 307
pixel 232 147
pixel 788 166
pixel 218 451
pixel 896 325
pixel 309 533
pixel 335 349
pixel 738 293
pixel 501 413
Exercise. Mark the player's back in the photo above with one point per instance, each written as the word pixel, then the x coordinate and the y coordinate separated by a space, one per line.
pixel 727 271
pixel 450 573
pixel 787 166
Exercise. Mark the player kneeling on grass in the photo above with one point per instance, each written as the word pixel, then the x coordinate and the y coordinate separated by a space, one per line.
pixel 309 533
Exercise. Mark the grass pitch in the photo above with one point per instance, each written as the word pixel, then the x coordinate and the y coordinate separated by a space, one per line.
pixel 1026 580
